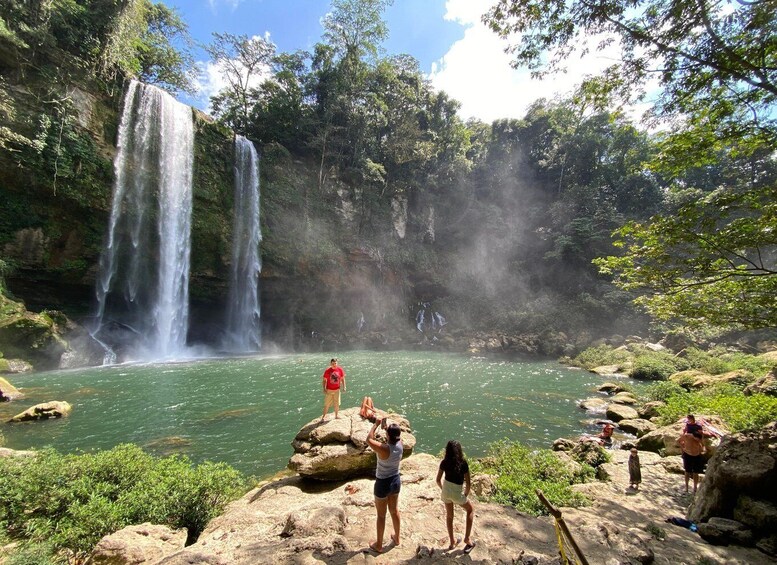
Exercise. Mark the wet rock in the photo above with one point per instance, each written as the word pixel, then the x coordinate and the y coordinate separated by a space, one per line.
pixel 624 398
pixel 9 391
pixel 611 388
pixel 618 412
pixel 594 404
pixel 638 427
pixel 44 411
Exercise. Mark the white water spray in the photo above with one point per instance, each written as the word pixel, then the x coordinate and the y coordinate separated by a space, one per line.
pixel 243 331
pixel 143 286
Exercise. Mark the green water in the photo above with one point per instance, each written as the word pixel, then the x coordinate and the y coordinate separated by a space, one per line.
pixel 246 411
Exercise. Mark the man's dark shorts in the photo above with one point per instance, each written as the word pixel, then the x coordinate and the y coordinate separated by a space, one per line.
pixel 385 487
pixel 693 463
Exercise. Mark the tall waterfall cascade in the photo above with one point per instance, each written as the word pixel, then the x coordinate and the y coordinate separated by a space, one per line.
pixel 143 284
pixel 243 330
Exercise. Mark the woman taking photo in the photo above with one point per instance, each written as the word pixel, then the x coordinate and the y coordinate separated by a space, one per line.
pixel 387 481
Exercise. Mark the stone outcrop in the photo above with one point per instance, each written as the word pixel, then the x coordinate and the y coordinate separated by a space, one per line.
pixel 44 411
pixel 736 483
pixel 617 412
pixel 638 427
pixel 765 385
pixel 664 439
pixel 136 545
pixel 9 392
pixel 337 449
pixel 290 521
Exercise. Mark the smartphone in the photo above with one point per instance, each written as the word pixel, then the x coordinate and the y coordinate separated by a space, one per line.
pixel 383 423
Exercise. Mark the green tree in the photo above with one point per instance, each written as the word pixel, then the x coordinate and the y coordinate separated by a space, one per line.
pixel 244 62
pixel 716 60
pixel 710 259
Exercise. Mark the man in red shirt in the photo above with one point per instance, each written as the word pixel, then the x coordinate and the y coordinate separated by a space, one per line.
pixel 332 380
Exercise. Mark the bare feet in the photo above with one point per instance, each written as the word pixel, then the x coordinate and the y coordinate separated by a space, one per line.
pixel 454 544
pixel 394 539
pixel 374 547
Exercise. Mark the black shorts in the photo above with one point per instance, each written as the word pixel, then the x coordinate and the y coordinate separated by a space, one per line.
pixel 386 487
pixel 693 463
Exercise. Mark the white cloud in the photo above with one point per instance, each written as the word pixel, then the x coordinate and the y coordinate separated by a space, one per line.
pixel 211 80
pixel 214 4
pixel 476 71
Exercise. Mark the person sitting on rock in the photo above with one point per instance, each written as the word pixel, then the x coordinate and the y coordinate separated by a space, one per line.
pixel 367 410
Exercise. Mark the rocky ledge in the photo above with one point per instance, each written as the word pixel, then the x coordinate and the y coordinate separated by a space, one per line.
pixel 296 520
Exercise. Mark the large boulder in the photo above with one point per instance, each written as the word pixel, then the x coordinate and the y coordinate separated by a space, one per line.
pixel 744 465
pixel 638 427
pixel 337 449
pixel 44 411
pixel 765 385
pixel 617 412
pixel 9 392
pixel 664 439
pixel 136 545
pixel 595 404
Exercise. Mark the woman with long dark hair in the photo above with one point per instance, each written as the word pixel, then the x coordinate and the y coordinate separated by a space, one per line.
pixel 387 480
pixel 455 490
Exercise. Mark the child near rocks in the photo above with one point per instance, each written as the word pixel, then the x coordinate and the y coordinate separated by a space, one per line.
pixel 635 473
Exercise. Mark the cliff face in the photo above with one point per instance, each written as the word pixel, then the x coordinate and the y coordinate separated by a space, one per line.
pixel 323 267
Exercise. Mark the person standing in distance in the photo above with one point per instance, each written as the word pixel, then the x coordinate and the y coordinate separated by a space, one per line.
pixel 333 380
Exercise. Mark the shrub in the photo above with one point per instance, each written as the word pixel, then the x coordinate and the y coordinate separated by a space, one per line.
pixel 71 501
pixel 654 366
pixel 520 471
pixel 718 360
pixel 600 355
pixel 662 391
pixel 740 412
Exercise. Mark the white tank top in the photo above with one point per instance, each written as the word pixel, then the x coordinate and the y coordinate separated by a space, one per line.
pixel 390 466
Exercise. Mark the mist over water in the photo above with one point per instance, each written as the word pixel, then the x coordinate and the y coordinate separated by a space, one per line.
pixel 246 411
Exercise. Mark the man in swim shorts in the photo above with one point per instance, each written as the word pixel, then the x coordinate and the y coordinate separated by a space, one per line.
pixel 693 458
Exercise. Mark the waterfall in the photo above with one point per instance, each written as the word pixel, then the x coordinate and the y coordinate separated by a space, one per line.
pixel 243 331
pixel 143 285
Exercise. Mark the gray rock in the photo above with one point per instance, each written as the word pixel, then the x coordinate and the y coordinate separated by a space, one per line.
pixel 136 545
pixel 637 427
pixel 624 398
pixel 10 392
pixel 650 409
pixel 44 411
pixel 765 385
pixel 768 545
pixel 608 370
pixel 611 387
pixel 760 515
pixel 594 404
pixel 618 412
pixel 722 531
pixel 742 465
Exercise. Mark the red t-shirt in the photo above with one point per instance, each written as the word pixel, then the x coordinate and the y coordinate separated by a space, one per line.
pixel 334 377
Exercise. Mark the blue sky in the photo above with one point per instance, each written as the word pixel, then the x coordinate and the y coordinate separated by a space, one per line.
pixel 455 50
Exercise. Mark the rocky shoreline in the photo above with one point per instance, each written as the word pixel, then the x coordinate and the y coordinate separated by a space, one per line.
pixel 294 520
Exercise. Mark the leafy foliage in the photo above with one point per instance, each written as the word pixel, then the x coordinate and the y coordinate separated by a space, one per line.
pixel 709 263
pixel 521 471
pixel 740 412
pixel 71 501
pixel 600 355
